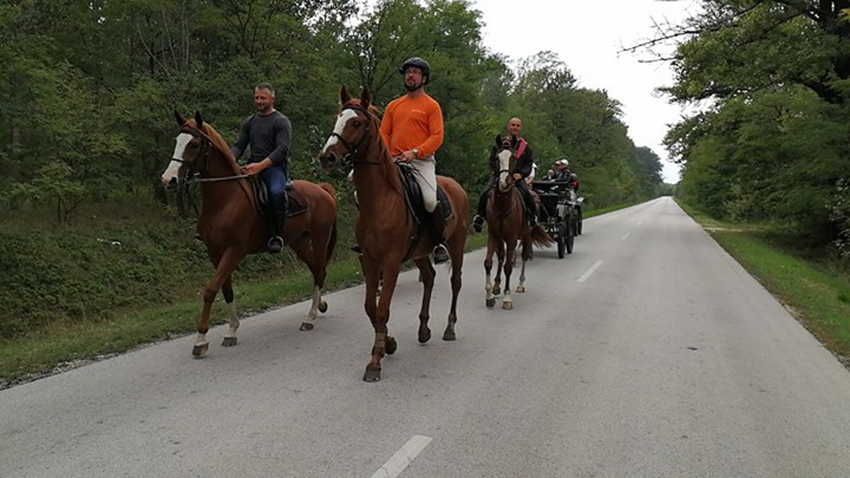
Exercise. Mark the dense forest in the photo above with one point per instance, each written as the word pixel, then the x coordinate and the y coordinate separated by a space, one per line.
pixel 87 90
pixel 769 142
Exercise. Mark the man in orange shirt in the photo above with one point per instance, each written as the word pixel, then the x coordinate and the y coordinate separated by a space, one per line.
pixel 413 129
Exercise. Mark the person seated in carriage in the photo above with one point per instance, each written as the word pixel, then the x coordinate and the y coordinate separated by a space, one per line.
pixel 561 172
pixel 525 164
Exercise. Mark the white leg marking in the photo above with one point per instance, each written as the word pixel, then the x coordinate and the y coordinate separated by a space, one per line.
pixel 232 319
pixel 314 307
pixel 402 458
pixel 488 287
pixel 201 339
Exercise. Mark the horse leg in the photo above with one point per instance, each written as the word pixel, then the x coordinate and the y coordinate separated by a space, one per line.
pixel 507 303
pixel 426 275
pixel 313 257
pixel 232 317
pixel 526 256
pixel 456 246
pixel 224 268
pixel 489 300
pixel 500 253
pixel 383 342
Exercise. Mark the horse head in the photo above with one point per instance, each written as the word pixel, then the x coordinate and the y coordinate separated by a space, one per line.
pixel 506 162
pixel 191 147
pixel 355 129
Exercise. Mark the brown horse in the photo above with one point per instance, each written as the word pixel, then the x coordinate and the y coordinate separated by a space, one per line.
pixel 507 225
pixel 385 229
pixel 231 226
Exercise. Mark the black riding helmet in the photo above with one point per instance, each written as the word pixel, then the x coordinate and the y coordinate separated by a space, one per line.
pixel 418 63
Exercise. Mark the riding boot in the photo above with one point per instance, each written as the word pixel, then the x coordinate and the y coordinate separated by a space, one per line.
pixel 438 220
pixel 275 244
pixel 478 220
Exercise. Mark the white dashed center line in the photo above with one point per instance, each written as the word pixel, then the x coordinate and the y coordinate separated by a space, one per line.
pixel 590 271
pixel 403 457
pixel 626 236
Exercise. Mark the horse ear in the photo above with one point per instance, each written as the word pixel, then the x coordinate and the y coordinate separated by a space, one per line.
pixel 365 97
pixel 199 120
pixel 498 139
pixel 344 97
pixel 180 119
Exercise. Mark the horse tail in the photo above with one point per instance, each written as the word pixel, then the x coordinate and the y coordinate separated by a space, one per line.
pixel 332 242
pixel 540 238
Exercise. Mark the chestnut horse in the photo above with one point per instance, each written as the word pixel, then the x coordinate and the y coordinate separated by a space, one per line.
pixel 385 229
pixel 231 226
pixel 506 225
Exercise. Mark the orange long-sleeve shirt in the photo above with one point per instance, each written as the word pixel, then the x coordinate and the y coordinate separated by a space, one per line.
pixel 413 123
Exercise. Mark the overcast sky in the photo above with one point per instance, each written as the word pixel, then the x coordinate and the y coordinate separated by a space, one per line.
pixel 587 35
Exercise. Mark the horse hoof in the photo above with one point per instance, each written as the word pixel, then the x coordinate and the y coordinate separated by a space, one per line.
pixel 520 289
pixel 391 346
pixel 323 307
pixel 508 305
pixel 228 342
pixel 198 351
pixel 497 290
pixel 449 335
pixel 372 374
pixel 424 334
pixel 306 326
pixel 491 303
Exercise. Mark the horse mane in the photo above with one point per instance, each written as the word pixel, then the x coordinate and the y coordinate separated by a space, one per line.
pixel 217 142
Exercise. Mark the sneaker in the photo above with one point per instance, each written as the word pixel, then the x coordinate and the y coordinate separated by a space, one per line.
pixel 275 244
pixel 440 254
pixel 478 223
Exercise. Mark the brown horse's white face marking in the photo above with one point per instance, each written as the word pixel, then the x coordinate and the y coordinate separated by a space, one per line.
pixel 504 169
pixel 341 120
pixel 171 174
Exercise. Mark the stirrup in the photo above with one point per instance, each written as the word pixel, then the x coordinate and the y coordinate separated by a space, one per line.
pixel 275 244
pixel 441 254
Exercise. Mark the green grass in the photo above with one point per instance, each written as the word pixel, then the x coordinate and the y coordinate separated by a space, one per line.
pixel 818 295
pixel 69 339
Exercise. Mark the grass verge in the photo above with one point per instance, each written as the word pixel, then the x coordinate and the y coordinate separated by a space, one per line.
pixel 818 297
pixel 63 346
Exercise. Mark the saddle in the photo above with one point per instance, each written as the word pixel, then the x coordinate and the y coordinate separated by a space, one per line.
pixel 295 202
pixel 413 195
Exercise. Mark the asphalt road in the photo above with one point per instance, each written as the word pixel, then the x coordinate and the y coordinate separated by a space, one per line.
pixel 648 352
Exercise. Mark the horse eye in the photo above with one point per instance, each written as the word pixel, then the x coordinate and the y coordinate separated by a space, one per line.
pixel 192 146
pixel 356 124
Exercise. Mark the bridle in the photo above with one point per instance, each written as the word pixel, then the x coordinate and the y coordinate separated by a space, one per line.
pixel 353 152
pixel 206 144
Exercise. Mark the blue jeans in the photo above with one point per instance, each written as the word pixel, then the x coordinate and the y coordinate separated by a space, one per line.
pixel 275 179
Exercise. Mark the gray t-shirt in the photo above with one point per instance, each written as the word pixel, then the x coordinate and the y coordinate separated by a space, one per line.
pixel 268 136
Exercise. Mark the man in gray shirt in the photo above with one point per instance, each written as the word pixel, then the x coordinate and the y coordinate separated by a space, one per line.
pixel 268 132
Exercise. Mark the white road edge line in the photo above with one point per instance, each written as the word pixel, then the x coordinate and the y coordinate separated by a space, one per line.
pixel 402 458
pixel 626 236
pixel 590 271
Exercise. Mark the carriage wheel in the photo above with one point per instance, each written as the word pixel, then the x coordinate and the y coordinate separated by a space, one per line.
pixel 562 232
pixel 571 237
pixel 580 222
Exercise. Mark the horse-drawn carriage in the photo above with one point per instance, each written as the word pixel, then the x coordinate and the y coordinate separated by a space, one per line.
pixel 560 213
